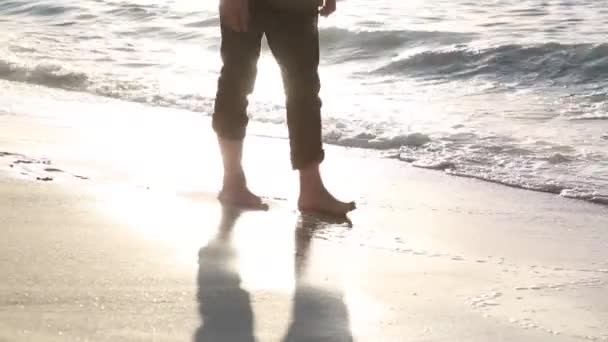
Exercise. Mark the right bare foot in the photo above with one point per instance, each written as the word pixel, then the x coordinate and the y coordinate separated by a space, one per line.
pixel 242 198
pixel 315 198
pixel 320 201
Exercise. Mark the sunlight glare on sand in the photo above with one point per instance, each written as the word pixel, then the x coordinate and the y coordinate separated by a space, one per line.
pixel 362 310
pixel 177 222
pixel 187 223
pixel 266 247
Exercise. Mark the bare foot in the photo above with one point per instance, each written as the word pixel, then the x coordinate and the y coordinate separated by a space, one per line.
pixel 322 202
pixel 242 198
pixel 235 192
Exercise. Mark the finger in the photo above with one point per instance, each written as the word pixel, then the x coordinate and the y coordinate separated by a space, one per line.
pixel 328 8
pixel 326 11
pixel 323 11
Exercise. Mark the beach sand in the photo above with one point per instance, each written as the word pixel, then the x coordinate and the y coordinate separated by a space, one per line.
pixel 111 232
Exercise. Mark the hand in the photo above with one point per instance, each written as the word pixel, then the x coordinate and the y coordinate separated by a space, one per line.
pixel 235 14
pixel 329 7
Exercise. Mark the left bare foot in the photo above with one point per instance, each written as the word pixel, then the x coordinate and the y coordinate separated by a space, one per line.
pixel 241 198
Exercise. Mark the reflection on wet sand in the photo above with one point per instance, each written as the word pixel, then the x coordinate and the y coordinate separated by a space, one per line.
pixel 317 314
pixel 225 307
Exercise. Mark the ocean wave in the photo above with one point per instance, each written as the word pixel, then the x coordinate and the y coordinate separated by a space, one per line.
pixel 350 44
pixel 208 22
pixel 538 184
pixel 49 75
pixel 376 142
pixel 506 163
pixel 136 11
pixel 575 63
pixel 582 195
pixel 340 37
pixel 87 11
pixel 548 186
pixel 31 8
pixel 55 76
pixel 589 116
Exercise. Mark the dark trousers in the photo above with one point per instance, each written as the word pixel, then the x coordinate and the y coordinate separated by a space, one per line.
pixel 293 38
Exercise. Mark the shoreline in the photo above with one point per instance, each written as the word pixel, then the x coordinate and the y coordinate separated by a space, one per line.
pixel 97 104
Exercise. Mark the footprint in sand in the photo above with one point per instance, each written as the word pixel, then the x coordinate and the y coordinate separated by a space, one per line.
pixel 50 169
pixel 31 167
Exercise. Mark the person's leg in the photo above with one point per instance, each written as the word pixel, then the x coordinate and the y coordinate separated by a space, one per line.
pixel 240 52
pixel 293 38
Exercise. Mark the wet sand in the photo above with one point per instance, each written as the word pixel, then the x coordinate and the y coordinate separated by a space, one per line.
pixel 112 233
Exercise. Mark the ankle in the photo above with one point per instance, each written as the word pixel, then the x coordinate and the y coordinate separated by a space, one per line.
pixel 234 173
pixel 234 180
pixel 310 178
